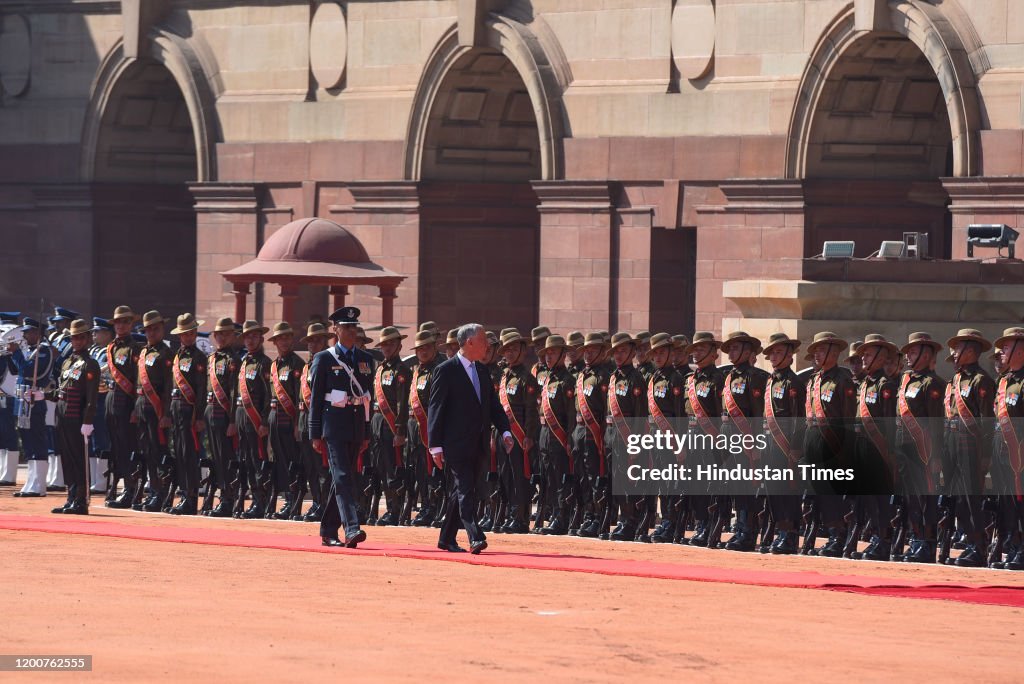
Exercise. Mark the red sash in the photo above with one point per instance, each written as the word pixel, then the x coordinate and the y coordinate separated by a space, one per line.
pixel 618 417
pixel 250 410
pixel 280 393
pixel 1013 445
pixel 382 400
pixel 552 421
pixel 868 421
pixel 181 382
pixel 921 439
pixel 305 389
pixel 818 410
pixel 218 390
pixel 120 378
pixel 962 409
pixel 773 424
pixel 736 413
pixel 420 414
pixel 698 409
pixel 513 424
pixel 151 396
pixel 596 433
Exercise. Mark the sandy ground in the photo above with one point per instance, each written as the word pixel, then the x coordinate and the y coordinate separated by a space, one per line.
pixel 153 611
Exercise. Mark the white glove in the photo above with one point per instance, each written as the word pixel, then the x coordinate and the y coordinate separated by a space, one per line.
pixel 86 429
pixel 38 395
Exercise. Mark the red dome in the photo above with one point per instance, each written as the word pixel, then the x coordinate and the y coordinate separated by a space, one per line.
pixel 314 239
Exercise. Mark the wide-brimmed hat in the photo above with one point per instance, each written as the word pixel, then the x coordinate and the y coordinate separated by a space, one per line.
pixel 492 338
pixel 642 337
pixel 594 338
pixel 428 326
pixel 453 336
pixel 121 312
pixel 740 337
pixel 876 340
pixel 186 323
pixel 152 318
pixel 680 341
pixel 621 338
pixel 253 326
pixel 702 337
pixel 282 328
pixel 79 326
pixel 388 334
pixel 424 338
pixel 224 325
pixel 555 342
pixel 924 338
pixel 1010 335
pixel 781 338
pixel 969 335
pixel 362 336
pixel 510 337
pixel 575 339
pixel 826 337
pixel 539 334
pixel 660 340
pixel 316 330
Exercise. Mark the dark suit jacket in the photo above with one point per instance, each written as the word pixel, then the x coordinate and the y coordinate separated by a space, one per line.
pixel 456 421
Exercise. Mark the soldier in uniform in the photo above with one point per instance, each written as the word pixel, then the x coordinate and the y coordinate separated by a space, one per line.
pixel 517 393
pixel 99 454
pixel 1007 454
pixel 35 374
pixel 316 340
pixel 558 409
pixel 8 421
pixel 574 351
pixel 702 392
pixel 339 422
pixel 969 408
pixel 627 399
pixel 538 338
pixel 742 411
pixel 123 366
pixel 60 342
pixel 875 462
pixel 451 345
pixel 643 354
pixel 919 442
pixel 680 361
pixel 221 430
pixel 830 406
pixel 285 374
pixel 252 417
pixel 152 411
pixel 784 397
pixel 390 423
pixel 591 405
pixel 429 487
pixel 78 383
pixel 188 411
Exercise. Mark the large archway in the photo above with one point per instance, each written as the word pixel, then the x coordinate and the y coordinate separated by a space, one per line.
pixel 880 117
pixel 482 129
pixel 147 135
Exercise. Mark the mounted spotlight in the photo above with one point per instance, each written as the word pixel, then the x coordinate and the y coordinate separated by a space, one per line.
pixel 838 249
pixel 892 249
pixel 991 235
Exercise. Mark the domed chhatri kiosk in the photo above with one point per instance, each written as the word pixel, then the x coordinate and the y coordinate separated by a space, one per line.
pixel 313 251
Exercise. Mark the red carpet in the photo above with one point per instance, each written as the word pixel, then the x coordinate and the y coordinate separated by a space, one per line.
pixel 873 586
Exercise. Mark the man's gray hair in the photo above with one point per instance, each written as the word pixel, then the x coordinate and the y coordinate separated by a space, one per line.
pixel 467 332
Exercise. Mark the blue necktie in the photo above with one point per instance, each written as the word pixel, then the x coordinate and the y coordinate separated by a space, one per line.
pixel 476 380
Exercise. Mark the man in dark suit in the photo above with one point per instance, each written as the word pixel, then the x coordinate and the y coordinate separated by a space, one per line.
pixel 462 408
pixel 339 422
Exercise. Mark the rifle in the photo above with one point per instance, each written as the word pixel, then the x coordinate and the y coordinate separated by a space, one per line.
pixel 209 482
pixel 766 523
pixel 809 516
pixel 541 484
pixel 899 524
pixel 647 506
pixel 680 511
pixel 716 512
pixel 946 527
pixel 138 478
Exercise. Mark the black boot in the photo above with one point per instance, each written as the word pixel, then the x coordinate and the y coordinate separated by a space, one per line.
pixel 786 544
pixel 923 551
pixel 970 558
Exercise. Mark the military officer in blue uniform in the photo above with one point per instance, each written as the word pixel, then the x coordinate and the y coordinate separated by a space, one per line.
pixel 339 421
pixel 8 422
pixel 33 380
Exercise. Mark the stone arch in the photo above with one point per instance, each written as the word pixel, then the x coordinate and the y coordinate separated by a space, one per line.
pixel 174 54
pixel 542 69
pixel 938 39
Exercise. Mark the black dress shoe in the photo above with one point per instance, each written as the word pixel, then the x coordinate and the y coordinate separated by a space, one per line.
pixel 517 527
pixel 331 541
pixel 357 538
pixel 423 519
pixel 623 533
pixel 451 548
pixel 970 558
pixel 476 547
pixel 77 509
pixel 61 509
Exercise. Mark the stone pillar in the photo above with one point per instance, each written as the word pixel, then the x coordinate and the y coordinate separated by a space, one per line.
pixel 289 295
pixel 226 236
pixel 575 254
pixel 756 231
pixel 387 304
pixel 385 218
pixel 241 293
pixel 984 200
pixel 338 294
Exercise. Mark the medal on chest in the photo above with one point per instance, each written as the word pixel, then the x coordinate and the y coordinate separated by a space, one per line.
pixel 778 392
pixel 251 372
pixel 871 397
pixel 738 386
pixel 1011 398
pixel 283 374
pixel 387 377
pixel 913 391
pixel 121 356
pixel 364 368
pixel 185 364
pixel 622 388
pixel 703 388
pixel 151 358
pixel 826 394
pixel 422 384
pixel 965 390
pixel 219 368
